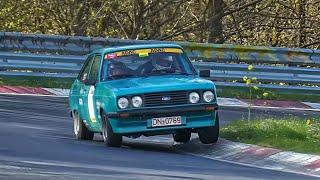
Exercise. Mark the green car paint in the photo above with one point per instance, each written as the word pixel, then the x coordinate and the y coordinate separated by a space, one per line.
pixel 90 95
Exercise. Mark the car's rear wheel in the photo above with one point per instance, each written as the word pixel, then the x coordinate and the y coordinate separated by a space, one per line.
pixel 182 136
pixel 109 138
pixel 210 135
pixel 80 129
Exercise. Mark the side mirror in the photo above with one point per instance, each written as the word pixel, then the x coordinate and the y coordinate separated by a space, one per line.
pixel 204 73
pixel 89 82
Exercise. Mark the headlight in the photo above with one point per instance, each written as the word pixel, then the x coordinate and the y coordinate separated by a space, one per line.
pixel 136 101
pixel 194 97
pixel 208 96
pixel 123 103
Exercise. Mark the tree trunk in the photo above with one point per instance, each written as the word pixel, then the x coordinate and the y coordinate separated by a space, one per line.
pixel 215 21
pixel 302 22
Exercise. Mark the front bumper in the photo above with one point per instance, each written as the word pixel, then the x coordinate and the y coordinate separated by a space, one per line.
pixel 163 111
pixel 138 121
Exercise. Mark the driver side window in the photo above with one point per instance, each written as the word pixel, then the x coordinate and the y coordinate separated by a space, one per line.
pixel 84 74
pixel 95 68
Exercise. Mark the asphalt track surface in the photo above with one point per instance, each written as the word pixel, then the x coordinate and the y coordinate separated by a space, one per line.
pixel 37 142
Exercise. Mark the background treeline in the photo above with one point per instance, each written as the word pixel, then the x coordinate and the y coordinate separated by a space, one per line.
pixel 289 23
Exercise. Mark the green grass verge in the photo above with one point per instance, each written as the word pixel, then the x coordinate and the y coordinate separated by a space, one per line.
pixel 243 93
pixel 37 82
pixel 290 134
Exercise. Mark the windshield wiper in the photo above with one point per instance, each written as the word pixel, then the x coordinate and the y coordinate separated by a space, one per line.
pixel 156 73
pixel 183 73
pixel 165 72
pixel 121 76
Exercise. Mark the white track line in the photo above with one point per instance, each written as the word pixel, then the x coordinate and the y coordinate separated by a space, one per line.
pixel 251 165
pixel 266 107
pixel 45 95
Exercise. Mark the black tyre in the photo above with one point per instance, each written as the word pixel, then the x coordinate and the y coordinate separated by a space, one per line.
pixel 182 136
pixel 210 135
pixel 109 138
pixel 80 129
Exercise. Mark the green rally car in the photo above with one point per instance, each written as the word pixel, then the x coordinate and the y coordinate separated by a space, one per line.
pixel 143 90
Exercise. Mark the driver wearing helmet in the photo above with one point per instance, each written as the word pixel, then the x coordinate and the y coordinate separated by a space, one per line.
pixel 156 64
pixel 117 68
pixel 161 63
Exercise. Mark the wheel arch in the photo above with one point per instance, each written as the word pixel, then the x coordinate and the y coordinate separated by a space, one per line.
pixel 72 112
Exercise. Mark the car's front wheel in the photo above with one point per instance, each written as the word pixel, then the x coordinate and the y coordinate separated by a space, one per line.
pixel 80 129
pixel 109 138
pixel 210 135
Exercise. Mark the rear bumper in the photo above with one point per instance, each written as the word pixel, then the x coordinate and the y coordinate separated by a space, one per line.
pixel 139 122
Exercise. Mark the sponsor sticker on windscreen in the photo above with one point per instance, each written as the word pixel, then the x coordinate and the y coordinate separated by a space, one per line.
pixel 142 52
pixel 111 56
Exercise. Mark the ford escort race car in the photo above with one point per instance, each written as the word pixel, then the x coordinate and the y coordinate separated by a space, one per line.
pixel 143 90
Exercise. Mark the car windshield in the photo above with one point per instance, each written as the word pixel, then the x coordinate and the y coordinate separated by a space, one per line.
pixel 146 62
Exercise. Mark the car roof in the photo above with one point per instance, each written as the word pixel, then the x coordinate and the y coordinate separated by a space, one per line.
pixel 131 47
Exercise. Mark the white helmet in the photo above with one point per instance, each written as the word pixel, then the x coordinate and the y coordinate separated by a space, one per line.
pixel 162 63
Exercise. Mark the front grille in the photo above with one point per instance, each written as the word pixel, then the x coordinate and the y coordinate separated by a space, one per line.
pixel 165 98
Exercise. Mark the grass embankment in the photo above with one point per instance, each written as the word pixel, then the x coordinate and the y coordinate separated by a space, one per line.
pixel 287 134
pixel 37 82
pixel 243 93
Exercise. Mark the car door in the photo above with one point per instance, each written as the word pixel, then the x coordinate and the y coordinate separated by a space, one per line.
pixel 81 88
pixel 89 101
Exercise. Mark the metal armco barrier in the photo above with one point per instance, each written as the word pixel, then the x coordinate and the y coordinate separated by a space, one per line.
pixel 62 57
